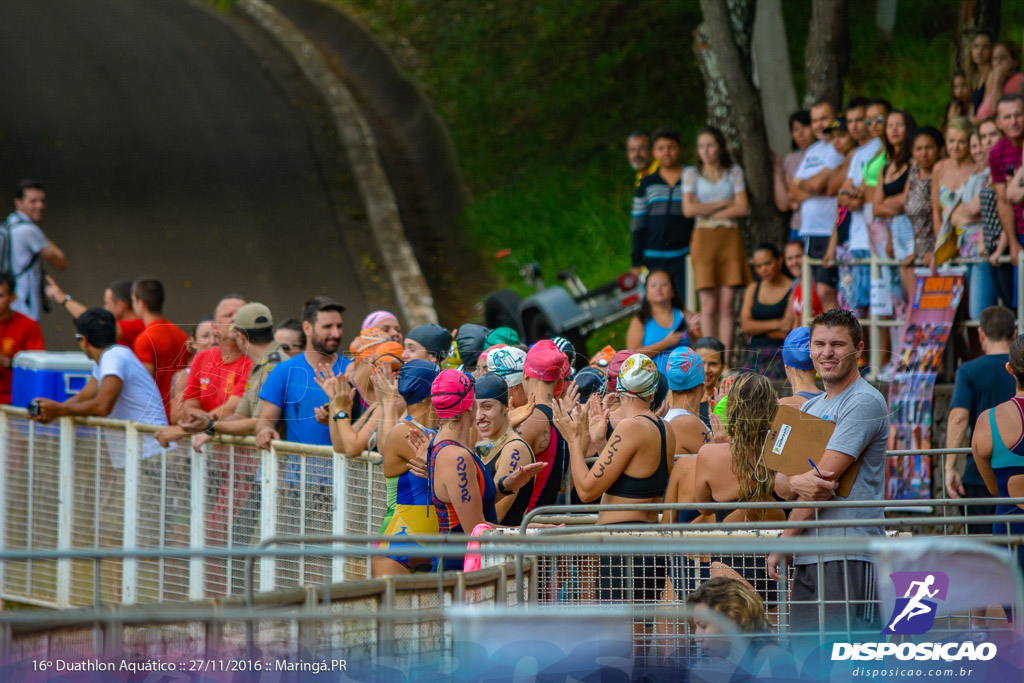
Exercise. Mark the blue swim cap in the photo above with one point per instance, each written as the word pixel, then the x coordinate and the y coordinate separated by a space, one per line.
pixel 414 380
pixel 685 369
pixel 796 349
pixel 491 386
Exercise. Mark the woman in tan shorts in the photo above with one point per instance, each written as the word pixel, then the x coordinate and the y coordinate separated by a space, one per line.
pixel 714 193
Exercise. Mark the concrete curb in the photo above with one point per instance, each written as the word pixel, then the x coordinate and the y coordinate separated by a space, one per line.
pixel 411 289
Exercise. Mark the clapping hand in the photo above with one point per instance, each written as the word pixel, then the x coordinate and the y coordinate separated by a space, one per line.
pixel 571 422
pixel 340 392
pixel 420 443
pixel 597 418
pixel 522 475
pixel 386 383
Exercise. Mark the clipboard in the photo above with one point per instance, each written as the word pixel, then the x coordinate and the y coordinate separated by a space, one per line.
pixel 796 437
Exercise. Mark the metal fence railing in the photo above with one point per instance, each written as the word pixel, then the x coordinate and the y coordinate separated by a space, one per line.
pixel 98 483
pixel 421 619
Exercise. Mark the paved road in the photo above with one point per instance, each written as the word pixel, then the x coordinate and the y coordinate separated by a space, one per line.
pixel 177 144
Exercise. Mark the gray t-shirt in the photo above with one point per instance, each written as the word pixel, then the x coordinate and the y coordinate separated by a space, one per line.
pixel 862 432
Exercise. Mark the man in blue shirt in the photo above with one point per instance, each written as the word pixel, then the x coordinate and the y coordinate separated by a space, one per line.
pixel 981 384
pixel 291 391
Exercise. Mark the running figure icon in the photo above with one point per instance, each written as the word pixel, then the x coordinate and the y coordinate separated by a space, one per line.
pixel 915 605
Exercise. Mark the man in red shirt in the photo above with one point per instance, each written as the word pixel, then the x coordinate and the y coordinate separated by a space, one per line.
pixel 217 377
pixel 18 332
pixel 117 298
pixel 162 346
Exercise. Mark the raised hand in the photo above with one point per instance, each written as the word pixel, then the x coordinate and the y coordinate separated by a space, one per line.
pixel 386 383
pixel 597 418
pixel 522 475
pixel 517 416
pixel 572 392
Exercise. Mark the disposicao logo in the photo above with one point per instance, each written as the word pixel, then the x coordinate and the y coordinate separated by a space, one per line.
pixel 914 614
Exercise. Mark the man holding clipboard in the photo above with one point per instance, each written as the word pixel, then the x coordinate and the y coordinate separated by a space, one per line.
pixel 861 419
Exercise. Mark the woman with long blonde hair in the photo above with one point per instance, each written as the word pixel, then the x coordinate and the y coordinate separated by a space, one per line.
pixel 735 472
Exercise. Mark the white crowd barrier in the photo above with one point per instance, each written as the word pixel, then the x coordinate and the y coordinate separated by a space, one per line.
pixel 87 483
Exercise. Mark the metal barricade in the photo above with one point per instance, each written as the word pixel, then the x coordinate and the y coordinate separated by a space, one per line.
pixel 99 483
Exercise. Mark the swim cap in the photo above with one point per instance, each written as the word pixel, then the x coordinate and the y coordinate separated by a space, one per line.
pixel 613 367
pixel 414 380
pixel 508 363
pixel 389 352
pixel 602 358
pixel 589 381
pixel 544 361
pixel 481 362
pixel 434 338
pixel 566 347
pixel 471 340
pixel 362 346
pixel 453 361
pixel 452 393
pixel 796 349
pixel 503 335
pixel 685 369
pixel 638 376
pixel 491 386
pixel 376 317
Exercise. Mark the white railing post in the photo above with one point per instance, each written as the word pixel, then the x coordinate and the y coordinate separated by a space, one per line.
pixel 65 508
pixel 129 569
pixel 269 468
pixel 806 292
pixel 875 334
pixel 197 524
pixel 339 517
pixel 5 470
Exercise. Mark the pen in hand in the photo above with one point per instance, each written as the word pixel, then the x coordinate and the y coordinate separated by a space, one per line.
pixel 815 468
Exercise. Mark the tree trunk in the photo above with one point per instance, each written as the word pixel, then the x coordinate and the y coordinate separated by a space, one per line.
pixel 827 55
pixel 766 223
pixel 771 58
pixel 974 15
pixel 716 99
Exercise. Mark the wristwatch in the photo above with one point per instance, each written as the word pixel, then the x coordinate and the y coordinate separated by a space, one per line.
pixel 67 298
pixel 501 487
pixel 341 415
pixel 209 428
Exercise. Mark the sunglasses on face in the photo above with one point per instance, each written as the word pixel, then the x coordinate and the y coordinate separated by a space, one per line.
pixel 877 120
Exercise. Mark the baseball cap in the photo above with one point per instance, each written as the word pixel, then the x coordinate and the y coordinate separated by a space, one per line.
pixel 839 124
pixel 388 352
pixel 544 361
pixel 614 364
pixel 638 376
pixel 452 393
pixel 491 386
pixel 796 349
pixel 253 316
pixel 362 346
pixel 431 336
pixel 415 379
pixel 685 369
pixel 507 362
pixel 503 335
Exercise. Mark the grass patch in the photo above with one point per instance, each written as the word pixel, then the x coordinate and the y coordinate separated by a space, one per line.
pixel 539 97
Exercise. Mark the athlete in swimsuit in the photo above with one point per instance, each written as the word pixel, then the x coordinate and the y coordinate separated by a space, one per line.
pixel 998 447
pixel 502 449
pixel 463 493
pixel 410 506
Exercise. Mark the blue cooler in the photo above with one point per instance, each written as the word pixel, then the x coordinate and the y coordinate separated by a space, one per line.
pixel 57 375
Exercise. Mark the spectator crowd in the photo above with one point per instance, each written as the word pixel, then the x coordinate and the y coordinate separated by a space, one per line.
pixel 477 428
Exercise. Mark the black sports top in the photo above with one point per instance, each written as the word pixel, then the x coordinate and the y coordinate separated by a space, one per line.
pixel 648 487
pixel 515 514
pixel 893 187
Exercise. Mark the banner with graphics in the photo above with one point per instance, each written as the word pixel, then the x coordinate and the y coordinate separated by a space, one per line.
pixel 925 335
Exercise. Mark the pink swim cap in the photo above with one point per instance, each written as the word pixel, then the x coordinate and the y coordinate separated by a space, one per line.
pixel 372 319
pixel 452 393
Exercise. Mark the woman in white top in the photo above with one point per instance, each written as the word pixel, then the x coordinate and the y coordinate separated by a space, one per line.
pixel 714 194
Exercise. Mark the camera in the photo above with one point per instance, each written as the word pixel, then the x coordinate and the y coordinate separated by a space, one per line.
pixel 33 408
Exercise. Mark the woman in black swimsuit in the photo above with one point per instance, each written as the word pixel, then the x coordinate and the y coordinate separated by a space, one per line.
pixel 767 316
pixel 633 467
